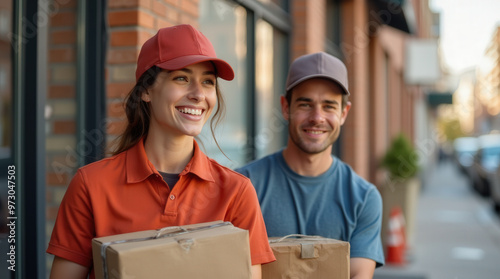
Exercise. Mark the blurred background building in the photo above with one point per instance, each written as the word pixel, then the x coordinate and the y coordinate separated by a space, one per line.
pixel 66 66
pixel 487 91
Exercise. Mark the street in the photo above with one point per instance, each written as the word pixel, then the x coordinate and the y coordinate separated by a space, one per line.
pixel 457 234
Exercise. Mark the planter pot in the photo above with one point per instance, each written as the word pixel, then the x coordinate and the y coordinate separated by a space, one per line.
pixel 403 194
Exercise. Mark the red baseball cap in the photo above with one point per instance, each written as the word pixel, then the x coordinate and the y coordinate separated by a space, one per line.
pixel 176 47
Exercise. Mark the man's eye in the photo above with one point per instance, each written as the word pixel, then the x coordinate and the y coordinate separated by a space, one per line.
pixel 304 105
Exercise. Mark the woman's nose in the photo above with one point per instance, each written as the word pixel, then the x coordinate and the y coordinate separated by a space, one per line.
pixel 196 92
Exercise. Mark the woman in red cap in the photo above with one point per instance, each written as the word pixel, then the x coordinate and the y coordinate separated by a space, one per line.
pixel 158 176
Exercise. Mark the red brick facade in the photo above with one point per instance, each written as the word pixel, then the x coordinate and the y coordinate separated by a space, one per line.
pixel 374 54
pixel 61 98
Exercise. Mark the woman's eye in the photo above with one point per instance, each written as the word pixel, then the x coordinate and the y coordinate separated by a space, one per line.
pixel 180 78
pixel 209 82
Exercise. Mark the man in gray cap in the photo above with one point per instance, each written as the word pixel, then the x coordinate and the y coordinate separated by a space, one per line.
pixel 304 189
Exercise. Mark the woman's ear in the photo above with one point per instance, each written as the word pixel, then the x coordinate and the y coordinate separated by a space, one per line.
pixel 145 96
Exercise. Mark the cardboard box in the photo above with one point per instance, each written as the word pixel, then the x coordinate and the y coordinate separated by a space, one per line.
pixel 208 250
pixel 299 256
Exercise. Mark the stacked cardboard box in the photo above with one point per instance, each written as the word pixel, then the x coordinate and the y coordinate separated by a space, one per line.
pixel 299 256
pixel 208 250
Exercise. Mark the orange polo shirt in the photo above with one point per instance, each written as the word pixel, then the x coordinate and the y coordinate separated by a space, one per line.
pixel 125 193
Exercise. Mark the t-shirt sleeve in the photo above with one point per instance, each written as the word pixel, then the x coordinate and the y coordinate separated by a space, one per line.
pixel 74 227
pixel 246 214
pixel 365 241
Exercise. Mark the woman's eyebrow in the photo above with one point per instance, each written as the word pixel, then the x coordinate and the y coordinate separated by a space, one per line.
pixel 189 71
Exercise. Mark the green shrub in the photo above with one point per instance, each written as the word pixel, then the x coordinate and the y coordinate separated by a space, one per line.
pixel 401 159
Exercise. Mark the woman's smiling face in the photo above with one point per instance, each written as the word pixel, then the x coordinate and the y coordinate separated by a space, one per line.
pixel 182 100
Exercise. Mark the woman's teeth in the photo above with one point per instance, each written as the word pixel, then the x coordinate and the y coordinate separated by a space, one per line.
pixel 190 111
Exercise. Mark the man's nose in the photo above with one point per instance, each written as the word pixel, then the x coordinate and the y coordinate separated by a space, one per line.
pixel 317 115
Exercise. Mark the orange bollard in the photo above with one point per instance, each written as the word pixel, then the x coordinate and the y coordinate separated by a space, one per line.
pixel 396 240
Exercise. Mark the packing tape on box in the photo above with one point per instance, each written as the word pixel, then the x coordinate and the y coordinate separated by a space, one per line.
pixel 161 233
pixel 306 249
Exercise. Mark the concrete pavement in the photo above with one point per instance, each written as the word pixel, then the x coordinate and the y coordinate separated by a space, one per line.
pixel 457 234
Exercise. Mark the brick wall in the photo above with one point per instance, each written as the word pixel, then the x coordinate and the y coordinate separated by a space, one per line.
pixel 355 133
pixel 61 105
pixel 378 109
pixel 61 158
pixel 308 24
pixel 131 24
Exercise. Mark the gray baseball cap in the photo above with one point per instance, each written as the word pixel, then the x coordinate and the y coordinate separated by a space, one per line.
pixel 317 65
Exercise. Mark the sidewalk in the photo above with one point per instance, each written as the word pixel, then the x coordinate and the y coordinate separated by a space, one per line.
pixel 457 233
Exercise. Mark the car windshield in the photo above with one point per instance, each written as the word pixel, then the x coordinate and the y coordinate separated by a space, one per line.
pixel 491 151
pixel 490 157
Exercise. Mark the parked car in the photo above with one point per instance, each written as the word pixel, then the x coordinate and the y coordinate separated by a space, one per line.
pixel 464 150
pixel 486 163
pixel 494 179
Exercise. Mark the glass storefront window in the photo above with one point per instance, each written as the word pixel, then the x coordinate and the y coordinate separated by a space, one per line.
pixel 281 3
pixel 224 24
pixel 332 36
pixel 270 79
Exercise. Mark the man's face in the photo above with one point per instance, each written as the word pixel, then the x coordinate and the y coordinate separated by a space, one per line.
pixel 315 115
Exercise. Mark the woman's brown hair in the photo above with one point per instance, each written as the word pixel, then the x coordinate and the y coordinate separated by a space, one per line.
pixel 138 112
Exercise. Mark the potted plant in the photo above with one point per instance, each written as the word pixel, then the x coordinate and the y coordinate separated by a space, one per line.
pixel 401 159
pixel 402 187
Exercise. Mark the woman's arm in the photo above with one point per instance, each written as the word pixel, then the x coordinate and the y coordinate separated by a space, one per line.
pixel 256 271
pixel 64 269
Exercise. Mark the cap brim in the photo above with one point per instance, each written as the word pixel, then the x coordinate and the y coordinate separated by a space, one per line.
pixel 289 87
pixel 224 70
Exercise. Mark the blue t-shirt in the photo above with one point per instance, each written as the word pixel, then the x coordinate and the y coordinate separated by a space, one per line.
pixel 338 204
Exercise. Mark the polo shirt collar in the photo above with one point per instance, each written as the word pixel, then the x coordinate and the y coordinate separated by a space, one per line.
pixel 139 168
pixel 200 165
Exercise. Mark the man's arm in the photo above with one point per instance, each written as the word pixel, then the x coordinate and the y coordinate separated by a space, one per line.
pixel 362 268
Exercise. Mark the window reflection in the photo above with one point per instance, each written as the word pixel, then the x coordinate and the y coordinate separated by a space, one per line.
pixel 269 78
pixel 281 3
pixel 224 24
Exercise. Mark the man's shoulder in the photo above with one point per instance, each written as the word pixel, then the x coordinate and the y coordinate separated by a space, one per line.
pixel 259 165
pixel 225 173
pixel 354 178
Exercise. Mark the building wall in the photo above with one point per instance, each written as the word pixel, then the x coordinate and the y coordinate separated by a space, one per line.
pixel 61 112
pixel 355 40
pixel 383 105
pixel 308 23
pixel 487 89
pixel 131 23
pixel 379 107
